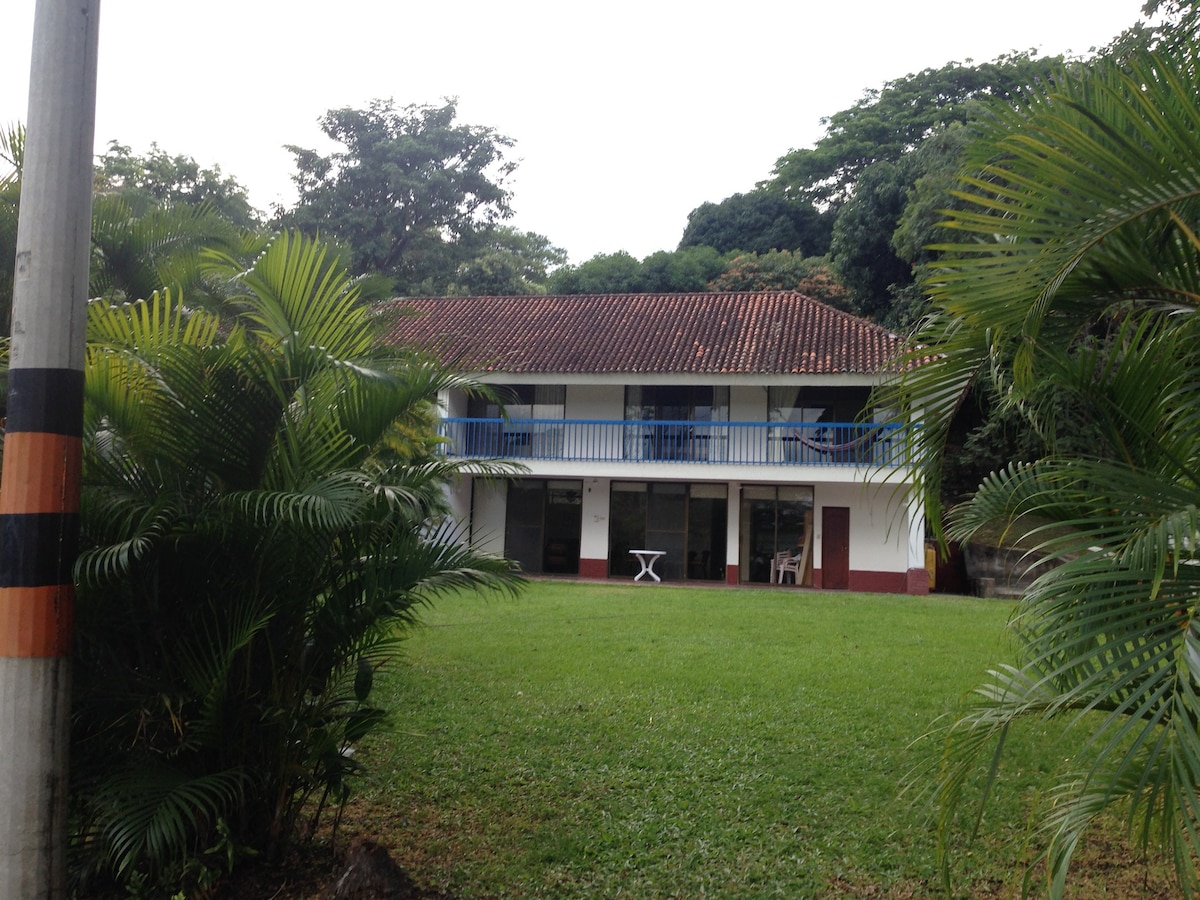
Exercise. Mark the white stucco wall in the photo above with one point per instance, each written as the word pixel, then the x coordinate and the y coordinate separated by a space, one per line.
pixel 458 495
pixel 487 530
pixel 879 525
pixel 595 401
pixel 747 403
pixel 596 500
pixel 453 403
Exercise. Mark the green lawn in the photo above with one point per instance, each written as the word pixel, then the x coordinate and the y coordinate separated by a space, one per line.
pixel 649 741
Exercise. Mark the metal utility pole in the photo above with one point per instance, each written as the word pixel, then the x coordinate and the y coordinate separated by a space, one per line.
pixel 39 485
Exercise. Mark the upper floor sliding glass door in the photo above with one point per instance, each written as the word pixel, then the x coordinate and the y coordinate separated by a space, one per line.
pixel 790 403
pixel 671 408
pixel 519 402
pixel 677 403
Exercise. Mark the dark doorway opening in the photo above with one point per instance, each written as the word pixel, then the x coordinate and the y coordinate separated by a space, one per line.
pixel 775 520
pixel 686 521
pixel 543 524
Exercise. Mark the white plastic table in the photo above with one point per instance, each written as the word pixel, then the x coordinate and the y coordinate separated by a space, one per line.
pixel 647 558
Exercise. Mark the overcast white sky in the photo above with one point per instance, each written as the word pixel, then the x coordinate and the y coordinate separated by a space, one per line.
pixel 627 114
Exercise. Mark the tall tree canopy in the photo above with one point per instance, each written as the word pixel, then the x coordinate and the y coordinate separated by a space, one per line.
pixel 850 194
pixel 758 222
pixel 504 261
pixel 890 121
pixel 862 239
pixel 408 186
pixel 878 240
pixel 686 269
pixel 781 270
pixel 159 179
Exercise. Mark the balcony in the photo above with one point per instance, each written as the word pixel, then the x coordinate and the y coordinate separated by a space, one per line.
pixel 724 443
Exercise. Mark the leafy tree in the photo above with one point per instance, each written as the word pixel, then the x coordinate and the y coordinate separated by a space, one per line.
pixel 861 176
pixel 1075 282
pixel 933 168
pixel 888 122
pixel 260 511
pixel 779 270
pixel 604 273
pixel 158 179
pixel 883 233
pixel 151 217
pixel 758 222
pixel 408 185
pixel 1173 22
pixel 507 262
pixel 861 250
pixel 688 269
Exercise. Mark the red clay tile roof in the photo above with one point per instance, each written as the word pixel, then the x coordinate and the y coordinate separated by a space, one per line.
pixel 757 333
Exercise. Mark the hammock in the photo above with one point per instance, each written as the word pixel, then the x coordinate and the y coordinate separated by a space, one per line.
pixel 863 440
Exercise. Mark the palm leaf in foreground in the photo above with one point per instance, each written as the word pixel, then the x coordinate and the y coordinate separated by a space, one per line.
pixel 1075 286
pixel 252 541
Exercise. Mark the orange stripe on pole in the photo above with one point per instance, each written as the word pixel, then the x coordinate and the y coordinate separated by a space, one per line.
pixel 41 473
pixel 37 621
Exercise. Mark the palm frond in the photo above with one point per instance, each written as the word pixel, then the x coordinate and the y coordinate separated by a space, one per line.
pixel 330 504
pixel 252 539
pixel 119 531
pixel 12 152
pixel 1071 278
pixel 296 298
pixel 1047 243
pixel 136 252
pixel 154 812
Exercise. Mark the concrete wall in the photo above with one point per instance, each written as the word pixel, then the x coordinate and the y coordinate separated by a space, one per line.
pixel 487 526
pixel 595 401
pixel 747 403
pixel 880 530
pixel 593 544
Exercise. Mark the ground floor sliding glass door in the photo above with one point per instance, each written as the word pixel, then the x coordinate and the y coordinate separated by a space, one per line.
pixel 776 520
pixel 542 525
pixel 686 521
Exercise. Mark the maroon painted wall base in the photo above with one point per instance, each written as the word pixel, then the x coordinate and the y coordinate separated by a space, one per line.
pixel 918 581
pixel 878 582
pixel 593 568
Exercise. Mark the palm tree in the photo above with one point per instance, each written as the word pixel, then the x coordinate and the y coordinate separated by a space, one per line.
pixel 1076 283
pixel 12 157
pixel 140 247
pixel 252 538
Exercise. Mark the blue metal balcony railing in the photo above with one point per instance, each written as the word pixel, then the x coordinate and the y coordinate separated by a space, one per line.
pixel 742 443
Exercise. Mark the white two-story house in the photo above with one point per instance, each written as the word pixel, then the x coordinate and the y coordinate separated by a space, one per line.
pixel 730 431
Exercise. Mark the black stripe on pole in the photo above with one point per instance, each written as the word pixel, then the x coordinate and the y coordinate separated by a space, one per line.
pixel 38 549
pixel 45 400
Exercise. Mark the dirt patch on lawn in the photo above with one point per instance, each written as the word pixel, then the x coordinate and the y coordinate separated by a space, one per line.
pixel 379 854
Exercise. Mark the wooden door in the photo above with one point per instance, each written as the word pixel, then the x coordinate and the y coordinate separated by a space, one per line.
pixel 835 547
